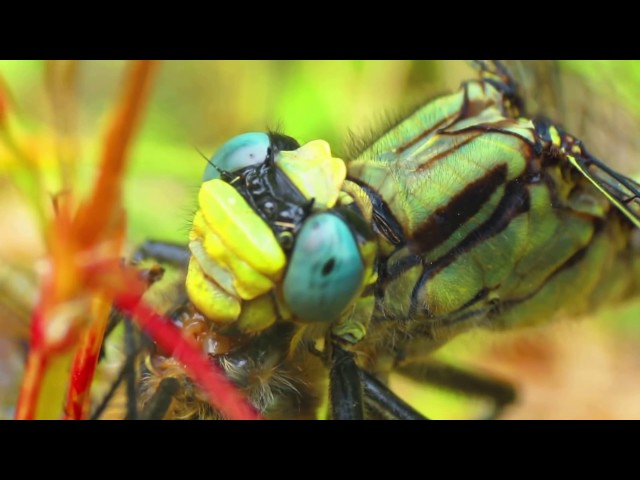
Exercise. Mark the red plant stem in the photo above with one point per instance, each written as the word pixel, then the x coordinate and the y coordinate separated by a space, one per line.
pixel 35 369
pixel 3 107
pixel 222 394
pixel 30 387
pixel 102 212
pixel 84 366
pixel 92 219
pixel 98 221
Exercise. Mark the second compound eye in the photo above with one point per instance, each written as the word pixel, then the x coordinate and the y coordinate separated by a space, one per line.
pixel 325 272
pixel 239 152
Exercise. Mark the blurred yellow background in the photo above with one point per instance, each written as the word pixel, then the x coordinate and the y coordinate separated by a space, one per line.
pixel 587 369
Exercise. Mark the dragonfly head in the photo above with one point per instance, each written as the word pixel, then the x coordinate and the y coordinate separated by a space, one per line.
pixel 275 237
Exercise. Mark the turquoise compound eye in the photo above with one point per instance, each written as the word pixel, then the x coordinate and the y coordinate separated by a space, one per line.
pixel 239 152
pixel 325 271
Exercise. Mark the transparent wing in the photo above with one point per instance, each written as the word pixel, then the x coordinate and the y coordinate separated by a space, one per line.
pixel 622 191
pixel 594 101
pixel 589 105
pixel 540 85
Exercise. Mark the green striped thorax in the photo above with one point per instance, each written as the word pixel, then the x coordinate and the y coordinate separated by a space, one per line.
pixel 276 236
pixel 485 221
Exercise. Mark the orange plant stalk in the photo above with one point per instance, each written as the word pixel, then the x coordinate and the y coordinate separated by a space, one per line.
pixel 76 239
pixel 101 220
pixel 85 276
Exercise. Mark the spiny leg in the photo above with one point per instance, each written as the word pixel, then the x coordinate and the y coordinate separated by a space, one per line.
pixel 158 405
pixel 155 408
pixel 386 403
pixel 351 388
pixel 131 348
pixel 345 386
pixel 150 275
pixel 448 377
pixel 164 252
pixel 104 403
pixel 124 374
pixel 497 74
pixel 173 254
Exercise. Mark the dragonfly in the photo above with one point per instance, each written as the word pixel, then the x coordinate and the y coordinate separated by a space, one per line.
pixel 314 278
pixel 289 357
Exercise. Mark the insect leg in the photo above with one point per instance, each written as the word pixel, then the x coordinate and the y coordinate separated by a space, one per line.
pixel 350 388
pixel 345 386
pixel 162 252
pixel 158 404
pixel 112 322
pixel 452 378
pixel 497 74
pixel 386 403
pixel 130 348
pixel 112 390
pixel 150 275
pixel 129 365
pixel 165 252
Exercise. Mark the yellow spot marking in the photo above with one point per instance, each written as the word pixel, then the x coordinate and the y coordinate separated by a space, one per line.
pixel 209 298
pixel 241 229
pixel 257 315
pixel 314 172
pixel 248 282
pixel 555 136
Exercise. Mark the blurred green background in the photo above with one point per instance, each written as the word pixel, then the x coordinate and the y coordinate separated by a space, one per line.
pixel 197 105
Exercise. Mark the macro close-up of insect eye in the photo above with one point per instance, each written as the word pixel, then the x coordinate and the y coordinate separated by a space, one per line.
pixel 347 240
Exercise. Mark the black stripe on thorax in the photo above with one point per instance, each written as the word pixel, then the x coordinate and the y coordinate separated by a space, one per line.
pixel 449 218
pixel 514 202
pixel 443 222
pixel 491 311
pixel 426 237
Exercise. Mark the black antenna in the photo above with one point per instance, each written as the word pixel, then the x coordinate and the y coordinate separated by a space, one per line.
pixel 226 176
